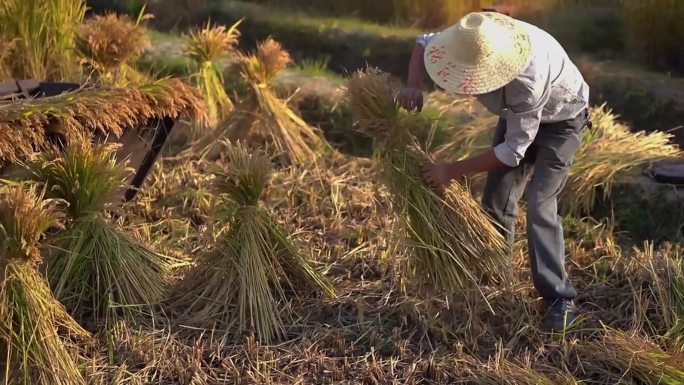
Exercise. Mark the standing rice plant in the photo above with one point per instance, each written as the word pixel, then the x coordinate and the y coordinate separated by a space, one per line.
pixel 43 33
pixel 30 317
pixel 108 46
pixel 204 47
pixel 620 358
pixel 94 267
pixel 609 152
pixel 242 282
pixel 261 117
pixel 454 242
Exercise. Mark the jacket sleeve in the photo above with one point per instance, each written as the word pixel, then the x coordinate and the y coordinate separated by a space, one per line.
pixel 525 98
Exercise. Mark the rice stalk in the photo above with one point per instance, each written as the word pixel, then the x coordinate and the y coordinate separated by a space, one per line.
pixel 205 46
pixel 623 358
pixel 609 152
pixel 241 284
pixel 43 33
pixel 261 118
pixel 24 124
pixel 501 371
pixel 30 317
pixel 454 243
pixel 109 44
pixel 93 266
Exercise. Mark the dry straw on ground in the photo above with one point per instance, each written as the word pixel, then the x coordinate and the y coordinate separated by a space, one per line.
pixel 26 124
pixel 205 47
pixel 30 317
pixel 94 267
pixel 454 243
pixel 261 117
pixel 609 152
pixel 109 44
pixel 241 284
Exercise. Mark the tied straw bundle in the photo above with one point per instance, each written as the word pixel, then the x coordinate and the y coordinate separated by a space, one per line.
pixel 261 117
pixel 609 151
pixel 454 242
pixel 204 47
pixel 108 45
pixel 32 350
pixel 94 266
pixel 244 278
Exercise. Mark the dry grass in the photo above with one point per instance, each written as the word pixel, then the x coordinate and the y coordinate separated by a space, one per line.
pixel 25 124
pixel 454 243
pixel 609 152
pixel 205 47
pixel 262 118
pixel 33 350
pixel 109 44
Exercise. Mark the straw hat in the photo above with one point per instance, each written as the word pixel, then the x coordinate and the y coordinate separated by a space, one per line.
pixel 483 52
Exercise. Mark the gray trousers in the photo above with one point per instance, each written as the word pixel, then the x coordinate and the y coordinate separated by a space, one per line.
pixel 548 161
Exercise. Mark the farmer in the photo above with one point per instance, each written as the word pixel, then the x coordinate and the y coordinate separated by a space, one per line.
pixel 522 74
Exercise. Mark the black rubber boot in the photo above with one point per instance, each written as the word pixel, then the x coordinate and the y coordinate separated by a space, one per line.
pixel 562 313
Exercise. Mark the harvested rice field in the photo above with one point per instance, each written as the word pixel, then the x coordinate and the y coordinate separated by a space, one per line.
pixel 284 234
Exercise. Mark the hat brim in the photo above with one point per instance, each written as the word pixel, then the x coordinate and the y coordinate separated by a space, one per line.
pixel 452 74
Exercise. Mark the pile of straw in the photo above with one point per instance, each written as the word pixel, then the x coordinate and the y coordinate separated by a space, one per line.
pixel 455 244
pixel 609 152
pixel 93 266
pixel 25 124
pixel 204 47
pixel 32 350
pixel 109 44
pixel 620 358
pixel 242 282
pixel 261 117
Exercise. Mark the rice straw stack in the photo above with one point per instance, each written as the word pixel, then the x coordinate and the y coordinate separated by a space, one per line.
pixel 94 267
pixel 242 282
pixel 261 118
pixel 25 124
pixel 109 44
pixel 622 358
pixel 30 317
pixel 454 242
pixel 204 47
pixel 609 152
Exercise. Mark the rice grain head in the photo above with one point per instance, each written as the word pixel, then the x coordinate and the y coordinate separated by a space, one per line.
pixel 110 110
pixel 30 317
pixel 110 43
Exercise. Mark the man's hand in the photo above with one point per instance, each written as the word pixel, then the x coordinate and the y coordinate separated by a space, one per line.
pixel 411 98
pixel 439 175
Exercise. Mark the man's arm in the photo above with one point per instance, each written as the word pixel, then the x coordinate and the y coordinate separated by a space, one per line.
pixel 411 97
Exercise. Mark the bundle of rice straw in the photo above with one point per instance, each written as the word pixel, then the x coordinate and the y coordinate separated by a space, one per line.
pixel 33 352
pixel 25 124
pixel 242 281
pixel 204 47
pixel 93 265
pixel 261 117
pixel 109 44
pixel 454 242
pixel 624 359
pixel 609 151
